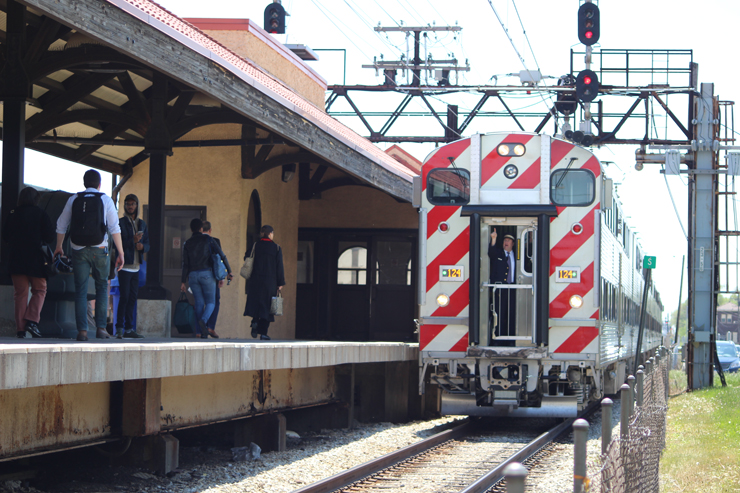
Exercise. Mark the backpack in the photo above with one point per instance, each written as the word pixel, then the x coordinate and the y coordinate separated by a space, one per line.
pixel 88 219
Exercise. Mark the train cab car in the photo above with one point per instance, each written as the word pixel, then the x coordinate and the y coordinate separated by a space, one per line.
pixel 530 282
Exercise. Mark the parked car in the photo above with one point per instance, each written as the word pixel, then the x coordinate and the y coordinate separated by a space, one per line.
pixel 728 356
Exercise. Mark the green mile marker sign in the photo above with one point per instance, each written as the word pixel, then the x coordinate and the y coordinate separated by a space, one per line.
pixel 648 263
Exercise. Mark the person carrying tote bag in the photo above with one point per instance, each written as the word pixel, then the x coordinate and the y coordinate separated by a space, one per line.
pixel 266 281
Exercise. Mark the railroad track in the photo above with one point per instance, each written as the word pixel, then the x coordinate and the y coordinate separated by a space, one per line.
pixel 465 459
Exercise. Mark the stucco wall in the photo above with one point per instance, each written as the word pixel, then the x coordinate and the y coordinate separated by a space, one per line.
pixel 357 207
pixel 211 177
pixel 249 46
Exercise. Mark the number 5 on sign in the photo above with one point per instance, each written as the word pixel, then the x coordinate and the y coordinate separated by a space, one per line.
pixel 648 263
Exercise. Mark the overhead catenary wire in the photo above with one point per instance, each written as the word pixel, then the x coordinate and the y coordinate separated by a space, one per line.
pixel 318 6
pixel 673 202
pixel 521 59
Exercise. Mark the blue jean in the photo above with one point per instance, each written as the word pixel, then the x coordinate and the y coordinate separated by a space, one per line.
pixel 214 315
pixel 87 261
pixel 203 285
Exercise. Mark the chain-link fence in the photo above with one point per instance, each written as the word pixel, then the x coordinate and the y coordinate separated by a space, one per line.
pixel 631 462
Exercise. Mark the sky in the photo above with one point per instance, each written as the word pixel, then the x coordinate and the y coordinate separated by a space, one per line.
pixel 542 34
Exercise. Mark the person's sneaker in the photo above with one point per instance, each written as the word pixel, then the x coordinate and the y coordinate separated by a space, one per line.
pixel 255 335
pixel 82 335
pixel 33 329
pixel 130 334
pixel 20 334
pixel 119 333
pixel 263 337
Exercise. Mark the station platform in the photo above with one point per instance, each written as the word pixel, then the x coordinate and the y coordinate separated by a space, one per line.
pixel 57 394
pixel 43 362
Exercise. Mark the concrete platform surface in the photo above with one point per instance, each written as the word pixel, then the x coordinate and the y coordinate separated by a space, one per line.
pixel 42 362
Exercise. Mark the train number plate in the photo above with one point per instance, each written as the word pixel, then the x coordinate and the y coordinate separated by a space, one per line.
pixel 568 274
pixel 451 272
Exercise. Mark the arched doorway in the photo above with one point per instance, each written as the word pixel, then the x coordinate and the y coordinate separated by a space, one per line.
pixel 254 223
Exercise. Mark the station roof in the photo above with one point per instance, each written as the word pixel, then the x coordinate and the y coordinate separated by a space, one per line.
pixel 92 64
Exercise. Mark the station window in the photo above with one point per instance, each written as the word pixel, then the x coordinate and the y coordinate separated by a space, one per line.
pixel 448 186
pixel 352 265
pixel 572 187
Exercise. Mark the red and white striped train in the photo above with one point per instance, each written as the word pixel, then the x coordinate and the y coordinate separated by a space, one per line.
pixel 574 315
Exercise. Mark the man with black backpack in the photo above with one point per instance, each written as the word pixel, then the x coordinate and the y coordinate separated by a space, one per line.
pixel 90 216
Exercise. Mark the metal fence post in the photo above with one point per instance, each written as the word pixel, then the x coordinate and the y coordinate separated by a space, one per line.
pixel 606 424
pixel 631 383
pixel 640 387
pixel 580 436
pixel 649 367
pixel 515 474
pixel 625 411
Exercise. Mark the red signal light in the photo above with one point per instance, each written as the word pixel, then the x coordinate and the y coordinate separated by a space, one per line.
pixel 587 80
pixel 589 34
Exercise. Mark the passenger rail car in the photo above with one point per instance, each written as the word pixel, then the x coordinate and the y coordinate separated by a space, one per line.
pixel 559 330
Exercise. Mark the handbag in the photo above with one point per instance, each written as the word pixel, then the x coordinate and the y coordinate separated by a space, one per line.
pixel 219 269
pixel 276 304
pixel 246 270
pixel 184 315
pixel 47 259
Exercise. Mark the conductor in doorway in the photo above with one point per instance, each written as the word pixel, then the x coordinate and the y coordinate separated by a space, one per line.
pixel 503 271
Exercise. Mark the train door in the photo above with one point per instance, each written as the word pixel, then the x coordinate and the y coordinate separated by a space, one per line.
pixel 507 315
pixel 508 310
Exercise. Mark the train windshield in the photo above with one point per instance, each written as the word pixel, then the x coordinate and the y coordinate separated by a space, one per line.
pixel 448 186
pixel 572 187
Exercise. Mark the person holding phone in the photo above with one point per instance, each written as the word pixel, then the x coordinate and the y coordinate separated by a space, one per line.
pixel 135 239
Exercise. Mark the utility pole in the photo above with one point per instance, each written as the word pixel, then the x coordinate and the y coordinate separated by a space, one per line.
pixel 441 68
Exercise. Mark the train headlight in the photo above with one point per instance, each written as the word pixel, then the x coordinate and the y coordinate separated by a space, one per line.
pixel 510 171
pixel 576 301
pixel 511 149
pixel 443 299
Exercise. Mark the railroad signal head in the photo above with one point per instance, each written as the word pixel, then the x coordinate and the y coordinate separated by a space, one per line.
pixel 275 19
pixel 587 86
pixel 588 24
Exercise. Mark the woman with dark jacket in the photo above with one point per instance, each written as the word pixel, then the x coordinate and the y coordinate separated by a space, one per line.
pixel 26 228
pixel 267 279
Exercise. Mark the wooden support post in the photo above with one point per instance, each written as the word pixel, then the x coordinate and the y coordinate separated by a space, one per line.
pixel 141 407
pixel 396 391
pixel 14 89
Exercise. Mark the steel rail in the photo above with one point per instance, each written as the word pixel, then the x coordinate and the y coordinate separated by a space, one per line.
pixel 488 480
pixel 362 471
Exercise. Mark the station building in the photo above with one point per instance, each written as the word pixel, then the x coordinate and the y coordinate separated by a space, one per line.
pixel 240 139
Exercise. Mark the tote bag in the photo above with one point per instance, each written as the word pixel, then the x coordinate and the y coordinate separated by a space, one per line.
pixel 184 315
pixel 246 270
pixel 276 304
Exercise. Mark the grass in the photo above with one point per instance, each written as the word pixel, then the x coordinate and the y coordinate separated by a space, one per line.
pixel 702 451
